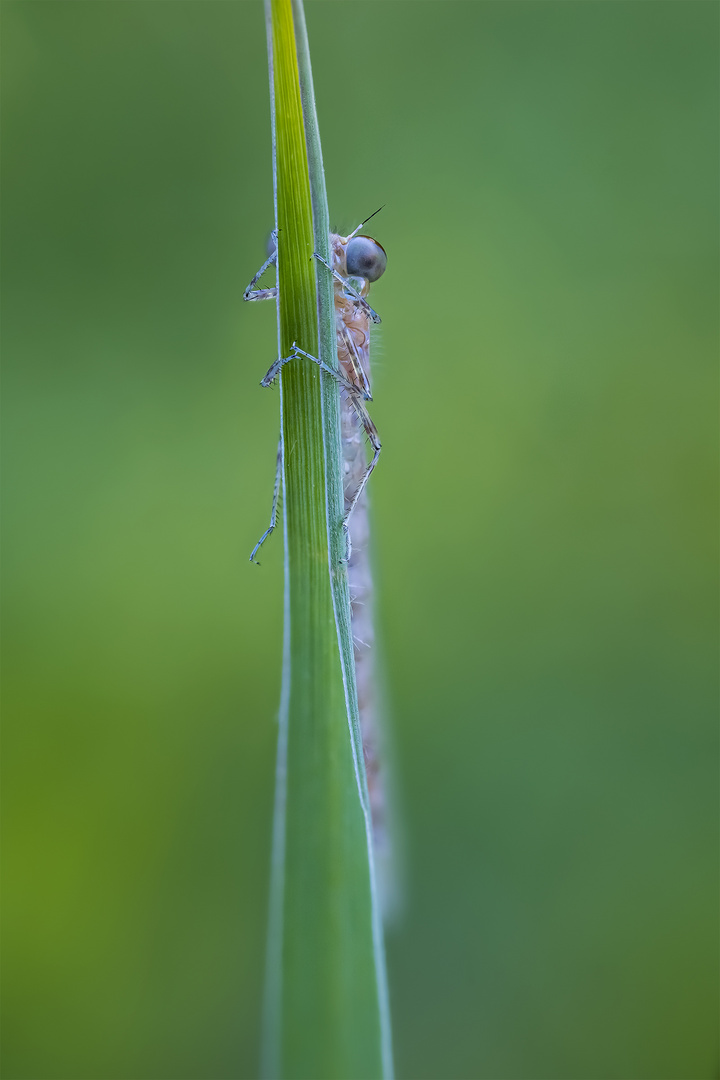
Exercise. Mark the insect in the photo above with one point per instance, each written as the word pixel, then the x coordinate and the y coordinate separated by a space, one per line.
pixel 357 261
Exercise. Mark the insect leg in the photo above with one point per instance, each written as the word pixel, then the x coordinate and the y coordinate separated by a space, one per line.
pixel 273 512
pixel 372 434
pixel 251 293
pixel 364 418
pixel 348 288
pixel 355 361
pixel 297 352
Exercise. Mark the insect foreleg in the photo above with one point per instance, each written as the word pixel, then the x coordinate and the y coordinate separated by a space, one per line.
pixel 261 294
pixel 348 288
pixel 273 512
pixel 251 293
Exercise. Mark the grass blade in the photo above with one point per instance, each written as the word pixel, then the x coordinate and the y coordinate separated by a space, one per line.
pixel 326 1000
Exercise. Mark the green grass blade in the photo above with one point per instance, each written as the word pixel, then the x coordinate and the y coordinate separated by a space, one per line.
pixel 326 1007
pixel 336 504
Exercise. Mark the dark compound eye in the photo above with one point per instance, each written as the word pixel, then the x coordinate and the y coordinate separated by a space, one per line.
pixel 365 258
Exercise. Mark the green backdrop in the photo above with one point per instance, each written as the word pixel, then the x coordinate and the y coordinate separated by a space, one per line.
pixel 544 509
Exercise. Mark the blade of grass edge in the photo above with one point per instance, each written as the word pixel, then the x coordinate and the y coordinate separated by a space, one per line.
pixel 272 991
pixel 325 1001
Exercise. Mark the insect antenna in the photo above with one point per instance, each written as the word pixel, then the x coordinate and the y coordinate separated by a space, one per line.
pixel 365 221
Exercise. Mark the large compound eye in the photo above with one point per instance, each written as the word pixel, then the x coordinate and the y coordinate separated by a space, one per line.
pixel 365 258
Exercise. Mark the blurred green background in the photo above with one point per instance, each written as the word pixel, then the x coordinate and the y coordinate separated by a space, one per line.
pixel 544 508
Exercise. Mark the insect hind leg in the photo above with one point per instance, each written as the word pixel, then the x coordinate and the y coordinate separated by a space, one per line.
pixel 372 434
pixel 274 511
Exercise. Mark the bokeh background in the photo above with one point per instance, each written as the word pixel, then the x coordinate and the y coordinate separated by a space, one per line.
pixel 544 509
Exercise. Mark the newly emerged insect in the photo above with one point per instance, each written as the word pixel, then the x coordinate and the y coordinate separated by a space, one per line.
pixel 357 261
